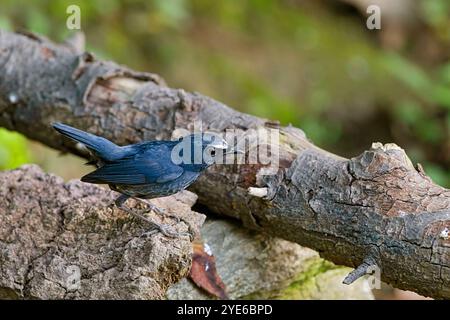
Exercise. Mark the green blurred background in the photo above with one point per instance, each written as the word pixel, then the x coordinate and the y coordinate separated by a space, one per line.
pixel 310 63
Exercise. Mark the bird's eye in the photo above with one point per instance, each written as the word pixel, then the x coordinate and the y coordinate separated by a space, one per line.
pixel 212 152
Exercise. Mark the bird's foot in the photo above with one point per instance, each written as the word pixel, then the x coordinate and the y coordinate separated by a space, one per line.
pixel 158 210
pixel 163 214
pixel 164 229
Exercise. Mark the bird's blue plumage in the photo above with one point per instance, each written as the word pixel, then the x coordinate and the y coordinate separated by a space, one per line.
pixel 146 163
pixel 143 170
pixel 100 147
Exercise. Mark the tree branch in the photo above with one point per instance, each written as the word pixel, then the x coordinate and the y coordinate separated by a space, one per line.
pixel 374 207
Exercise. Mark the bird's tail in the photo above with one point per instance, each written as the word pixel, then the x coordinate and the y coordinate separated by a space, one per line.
pixel 102 147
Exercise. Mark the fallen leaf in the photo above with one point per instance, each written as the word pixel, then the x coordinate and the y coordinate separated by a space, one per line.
pixel 204 272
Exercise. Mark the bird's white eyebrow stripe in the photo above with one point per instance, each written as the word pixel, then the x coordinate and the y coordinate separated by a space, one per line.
pixel 224 145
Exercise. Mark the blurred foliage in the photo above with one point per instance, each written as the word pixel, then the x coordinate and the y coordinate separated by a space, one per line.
pixel 310 63
pixel 13 149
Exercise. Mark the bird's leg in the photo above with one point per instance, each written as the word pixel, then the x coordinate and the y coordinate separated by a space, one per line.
pixel 165 230
pixel 163 213
pixel 156 209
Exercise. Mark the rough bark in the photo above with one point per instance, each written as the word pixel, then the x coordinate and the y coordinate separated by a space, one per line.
pixel 62 241
pixel 373 209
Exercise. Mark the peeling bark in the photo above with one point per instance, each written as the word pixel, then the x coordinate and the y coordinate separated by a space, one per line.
pixel 375 206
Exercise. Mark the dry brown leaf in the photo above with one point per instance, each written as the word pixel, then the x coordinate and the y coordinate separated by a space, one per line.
pixel 204 272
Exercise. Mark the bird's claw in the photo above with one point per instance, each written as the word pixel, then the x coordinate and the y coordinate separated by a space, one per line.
pixel 156 209
pixel 160 211
pixel 173 234
pixel 164 229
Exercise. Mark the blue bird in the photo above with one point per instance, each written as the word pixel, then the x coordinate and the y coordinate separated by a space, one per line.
pixel 148 169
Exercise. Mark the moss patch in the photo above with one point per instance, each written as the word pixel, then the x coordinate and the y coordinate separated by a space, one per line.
pixel 305 282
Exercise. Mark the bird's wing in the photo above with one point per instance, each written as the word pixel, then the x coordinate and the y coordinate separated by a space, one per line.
pixel 115 173
pixel 151 166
